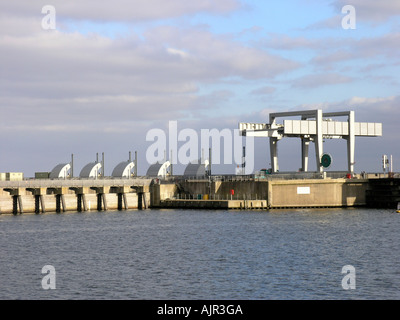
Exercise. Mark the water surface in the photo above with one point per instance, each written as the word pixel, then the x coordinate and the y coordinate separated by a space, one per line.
pixel 201 254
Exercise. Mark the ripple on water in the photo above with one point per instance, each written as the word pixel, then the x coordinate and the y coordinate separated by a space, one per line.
pixel 190 254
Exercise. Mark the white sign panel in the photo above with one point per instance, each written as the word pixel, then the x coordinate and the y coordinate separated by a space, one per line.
pixel 303 190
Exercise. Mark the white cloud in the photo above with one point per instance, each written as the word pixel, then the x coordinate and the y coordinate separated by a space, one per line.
pixel 92 78
pixel 88 90
pixel 119 10
pixel 177 52
pixel 266 90
pixel 287 42
pixel 318 80
pixel 371 10
pixel 367 109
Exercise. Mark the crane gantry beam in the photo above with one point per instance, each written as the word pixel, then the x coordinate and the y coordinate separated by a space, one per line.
pixel 314 126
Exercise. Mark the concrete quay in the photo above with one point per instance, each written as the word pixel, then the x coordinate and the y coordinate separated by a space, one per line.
pixel 213 204
pixel 40 196
pixel 267 194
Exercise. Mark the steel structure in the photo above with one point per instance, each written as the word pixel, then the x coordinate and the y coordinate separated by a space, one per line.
pixel 123 169
pixel 160 170
pixel 60 171
pixel 91 170
pixel 197 169
pixel 314 126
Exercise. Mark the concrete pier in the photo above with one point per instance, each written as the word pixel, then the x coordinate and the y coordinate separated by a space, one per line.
pixel 42 196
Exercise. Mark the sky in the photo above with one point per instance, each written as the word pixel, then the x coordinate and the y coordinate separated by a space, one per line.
pixel 104 75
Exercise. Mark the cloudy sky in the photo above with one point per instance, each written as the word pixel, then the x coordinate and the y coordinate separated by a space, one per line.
pixel 110 72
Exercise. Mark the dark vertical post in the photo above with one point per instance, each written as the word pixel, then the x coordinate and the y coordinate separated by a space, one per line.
pixel 58 203
pixel 15 205
pixel 79 203
pixel 140 200
pixel 99 199
pixel 244 161
pixel 37 208
pixel 120 201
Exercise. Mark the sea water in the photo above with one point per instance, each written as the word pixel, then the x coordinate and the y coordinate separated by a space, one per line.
pixel 201 254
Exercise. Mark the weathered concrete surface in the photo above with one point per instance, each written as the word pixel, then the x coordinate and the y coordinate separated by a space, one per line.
pixel 40 196
pixel 160 192
pixel 222 189
pixel 317 193
pixel 195 194
pixel 276 193
pixel 214 204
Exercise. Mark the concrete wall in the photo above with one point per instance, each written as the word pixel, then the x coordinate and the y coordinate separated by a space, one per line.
pixel 222 189
pixel 215 204
pixel 242 189
pixel 6 203
pixel 194 187
pixel 278 193
pixel 160 192
pixel 317 193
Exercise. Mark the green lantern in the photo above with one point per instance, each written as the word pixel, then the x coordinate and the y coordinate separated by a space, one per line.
pixel 326 160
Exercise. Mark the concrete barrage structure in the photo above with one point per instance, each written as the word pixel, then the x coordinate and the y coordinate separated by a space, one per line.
pixel 314 126
pixel 61 195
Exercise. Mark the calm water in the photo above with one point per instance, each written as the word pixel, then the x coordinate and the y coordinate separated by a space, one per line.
pixel 190 254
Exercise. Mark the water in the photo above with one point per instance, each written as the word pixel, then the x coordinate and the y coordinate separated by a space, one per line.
pixel 192 254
